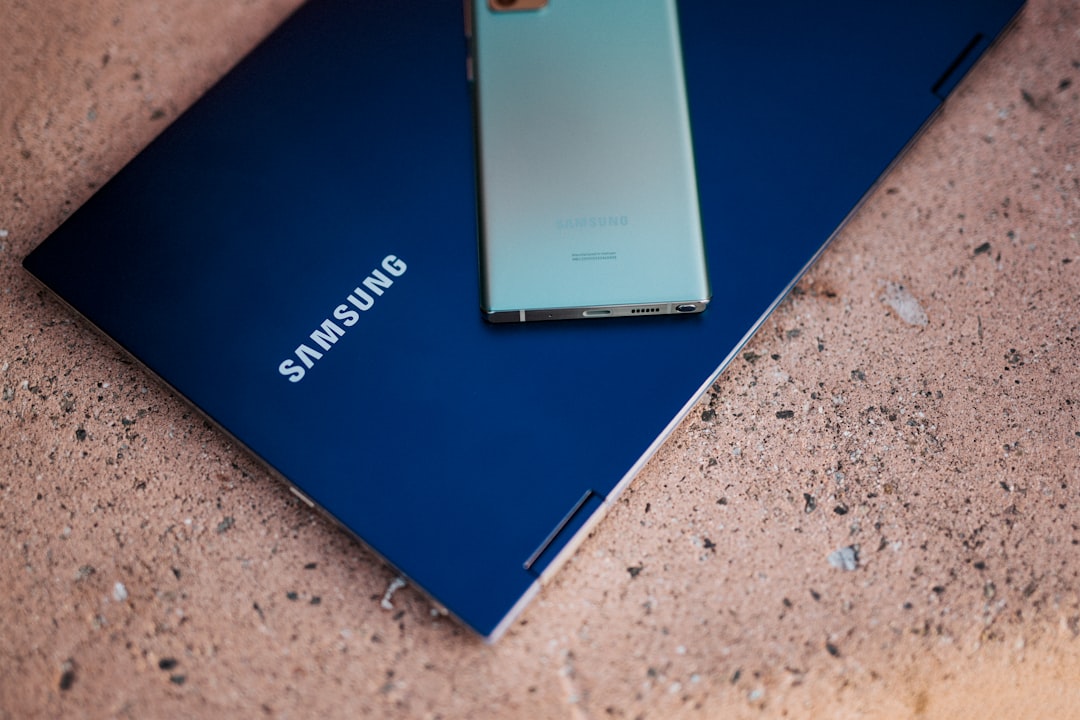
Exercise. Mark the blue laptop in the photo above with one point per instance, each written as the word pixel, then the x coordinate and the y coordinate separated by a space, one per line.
pixel 296 255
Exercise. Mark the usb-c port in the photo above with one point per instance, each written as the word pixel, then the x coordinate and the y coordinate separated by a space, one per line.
pixel 686 308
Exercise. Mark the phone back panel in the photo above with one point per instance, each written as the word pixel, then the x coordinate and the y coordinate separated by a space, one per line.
pixel 585 160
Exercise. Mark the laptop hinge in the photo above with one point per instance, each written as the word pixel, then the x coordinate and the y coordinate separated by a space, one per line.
pixel 562 533
pixel 957 68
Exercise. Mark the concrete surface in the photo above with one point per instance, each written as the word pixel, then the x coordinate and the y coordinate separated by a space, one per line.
pixel 874 513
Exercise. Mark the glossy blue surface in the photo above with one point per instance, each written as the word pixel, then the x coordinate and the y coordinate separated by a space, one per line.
pixel 451 446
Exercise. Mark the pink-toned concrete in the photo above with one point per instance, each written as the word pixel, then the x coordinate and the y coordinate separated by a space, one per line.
pixel 930 360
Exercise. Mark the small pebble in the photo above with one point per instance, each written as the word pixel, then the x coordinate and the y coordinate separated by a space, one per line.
pixel 395 585
pixel 67 674
pixel 119 592
pixel 906 306
pixel 846 558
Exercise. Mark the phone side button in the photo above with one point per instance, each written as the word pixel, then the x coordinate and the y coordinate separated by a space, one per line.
pixel 469 69
pixel 306 500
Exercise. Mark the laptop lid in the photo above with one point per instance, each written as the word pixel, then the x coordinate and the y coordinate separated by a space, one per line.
pixel 296 256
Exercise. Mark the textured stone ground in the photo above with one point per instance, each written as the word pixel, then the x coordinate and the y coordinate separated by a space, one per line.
pixel 875 512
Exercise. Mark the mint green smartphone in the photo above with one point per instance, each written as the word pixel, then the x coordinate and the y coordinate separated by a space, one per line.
pixel 588 198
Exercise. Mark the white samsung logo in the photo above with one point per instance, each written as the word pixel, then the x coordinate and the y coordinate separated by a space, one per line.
pixel 344 316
